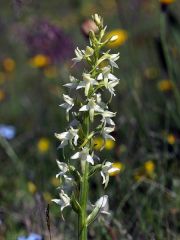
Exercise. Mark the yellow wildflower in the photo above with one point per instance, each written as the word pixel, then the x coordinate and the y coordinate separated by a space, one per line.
pixel 47 197
pixel 31 187
pixel 40 61
pixel 2 95
pixel 8 64
pixel 109 144
pixel 119 167
pixel 43 145
pixel 50 72
pixel 55 181
pixel 98 143
pixel 120 38
pixel 165 85
pixel 171 139
pixel 167 2
pixel 149 167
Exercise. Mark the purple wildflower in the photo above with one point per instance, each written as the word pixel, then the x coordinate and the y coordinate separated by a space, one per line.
pixel 47 39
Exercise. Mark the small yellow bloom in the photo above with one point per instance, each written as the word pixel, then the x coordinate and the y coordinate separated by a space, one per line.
pixel 118 166
pixel 47 197
pixel 55 181
pixel 31 187
pixel 149 167
pixel 8 64
pixel 98 143
pixel 165 85
pixel 171 139
pixel 50 72
pixel 2 95
pixel 121 37
pixel 40 61
pixel 109 144
pixel 167 2
pixel 43 145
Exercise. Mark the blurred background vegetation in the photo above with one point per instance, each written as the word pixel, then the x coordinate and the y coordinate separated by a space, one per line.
pixel 36 46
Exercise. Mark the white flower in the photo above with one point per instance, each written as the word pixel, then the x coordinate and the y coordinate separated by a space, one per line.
pixel 73 83
pixel 106 131
pixel 69 103
pixel 63 170
pixel 84 156
pixel 102 204
pixel 113 58
pixel 79 55
pixel 106 75
pixel 64 200
pixel 107 168
pixel 70 136
pixel 107 115
pixel 110 86
pixel 92 107
pixel 87 82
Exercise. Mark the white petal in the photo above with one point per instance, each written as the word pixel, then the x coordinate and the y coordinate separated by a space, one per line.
pixel 57 201
pixel 100 76
pixel 84 108
pixel 90 159
pixel 103 176
pixel 102 201
pixel 76 155
pixel 112 77
pixel 61 136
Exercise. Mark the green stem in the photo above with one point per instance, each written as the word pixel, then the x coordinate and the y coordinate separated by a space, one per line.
pixel 84 186
pixel 83 200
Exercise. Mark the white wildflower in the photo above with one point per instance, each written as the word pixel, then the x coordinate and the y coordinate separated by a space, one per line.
pixel 113 58
pixel 64 200
pixel 87 82
pixel 92 107
pixel 110 86
pixel 69 103
pixel 84 155
pixel 107 115
pixel 102 204
pixel 79 55
pixel 107 168
pixel 63 170
pixel 73 83
pixel 106 75
pixel 70 136
pixel 106 131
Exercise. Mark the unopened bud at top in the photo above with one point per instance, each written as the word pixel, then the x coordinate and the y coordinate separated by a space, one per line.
pixel 98 20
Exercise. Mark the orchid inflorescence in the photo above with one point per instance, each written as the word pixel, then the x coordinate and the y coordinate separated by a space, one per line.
pixel 88 118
